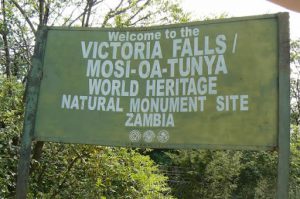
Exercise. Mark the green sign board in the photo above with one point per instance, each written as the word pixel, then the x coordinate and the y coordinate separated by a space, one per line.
pixel 211 84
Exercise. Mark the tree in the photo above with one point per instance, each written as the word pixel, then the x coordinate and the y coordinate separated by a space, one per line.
pixel 90 172
pixel 295 163
pixel 295 82
pixel 57 170
pixel 295 119
pixel 203 173
pixel 11 117
pixel 21 20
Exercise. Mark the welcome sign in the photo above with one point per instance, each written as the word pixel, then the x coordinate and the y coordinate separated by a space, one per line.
pixel 212 84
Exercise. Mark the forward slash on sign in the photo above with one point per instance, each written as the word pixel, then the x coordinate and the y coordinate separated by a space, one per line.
pixel 234 43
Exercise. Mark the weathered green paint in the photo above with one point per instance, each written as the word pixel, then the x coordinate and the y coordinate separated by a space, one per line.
pixel 252 70
pixel 284 108
pixel 32 92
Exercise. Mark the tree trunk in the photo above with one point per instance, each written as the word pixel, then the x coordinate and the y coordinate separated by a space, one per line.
pixel 5 41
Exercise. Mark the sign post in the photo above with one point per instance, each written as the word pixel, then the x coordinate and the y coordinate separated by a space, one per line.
pixel 284 108
pixel 32 93
pixel 220 84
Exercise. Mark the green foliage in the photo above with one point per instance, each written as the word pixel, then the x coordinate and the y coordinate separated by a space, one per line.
pixel 295 163
pixel 295 120
pixel 295 54
pixel 85 171
pixel 204 173
pixel 227 174
pixel 160 12
pixel 176 12
pixel 222 174
pixel 295 82
pixel 11 119
pixel 257 178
